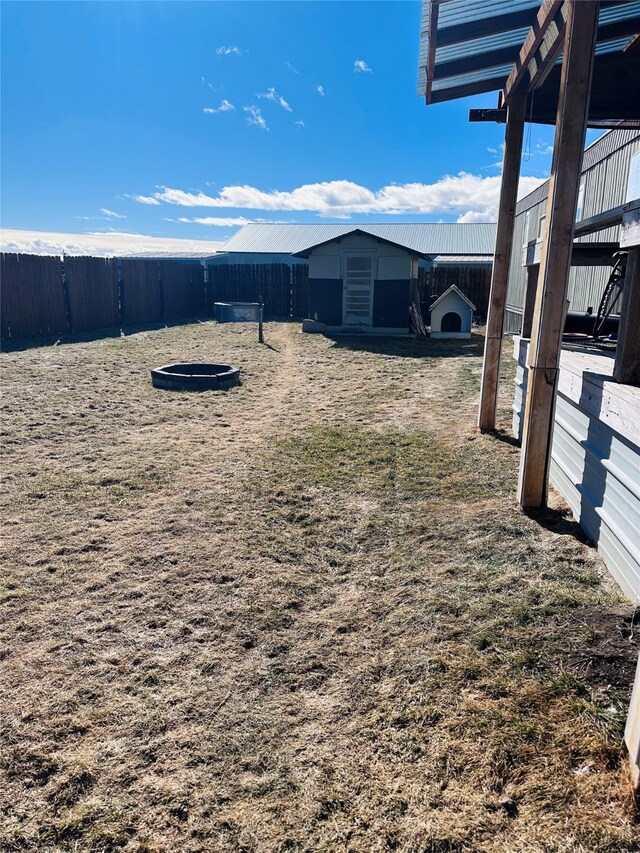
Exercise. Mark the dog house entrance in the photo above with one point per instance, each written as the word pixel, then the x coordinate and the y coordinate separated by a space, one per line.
pixel 451 322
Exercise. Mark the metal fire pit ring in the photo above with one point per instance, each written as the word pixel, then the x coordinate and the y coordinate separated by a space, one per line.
pixel 195 377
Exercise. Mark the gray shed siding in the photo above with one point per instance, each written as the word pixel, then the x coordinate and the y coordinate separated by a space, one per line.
pixel 394 269
pixel 605 174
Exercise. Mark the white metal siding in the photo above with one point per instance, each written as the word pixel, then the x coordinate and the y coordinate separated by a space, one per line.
pixel 394 268
pixel 325 266
pixel 595 465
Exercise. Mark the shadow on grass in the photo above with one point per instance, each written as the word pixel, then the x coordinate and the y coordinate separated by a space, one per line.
pixel 504 436
pixel 9 345
pixel 559 521
pixel 410 347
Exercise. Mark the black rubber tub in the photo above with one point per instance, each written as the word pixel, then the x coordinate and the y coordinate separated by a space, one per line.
pixel 195 377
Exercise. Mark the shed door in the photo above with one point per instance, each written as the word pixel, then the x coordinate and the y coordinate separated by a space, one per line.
pixel 358 290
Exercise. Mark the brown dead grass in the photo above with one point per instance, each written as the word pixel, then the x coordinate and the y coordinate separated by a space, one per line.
pixel 305 614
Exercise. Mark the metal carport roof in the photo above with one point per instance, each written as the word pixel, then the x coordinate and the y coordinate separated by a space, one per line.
pixel 467 48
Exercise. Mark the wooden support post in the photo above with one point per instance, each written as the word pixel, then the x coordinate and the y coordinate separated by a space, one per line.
pixel 632 730
pixel 551 296
pixel 627 364
pixel 501 260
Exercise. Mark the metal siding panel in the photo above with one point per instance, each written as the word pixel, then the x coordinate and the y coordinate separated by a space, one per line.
pixel 606 170
pixel 597 471
pixel 391 303
pixel 325 300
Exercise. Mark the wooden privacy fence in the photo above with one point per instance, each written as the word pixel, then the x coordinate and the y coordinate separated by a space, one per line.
pixel 283 288
pixel 474 282
pixel 42 296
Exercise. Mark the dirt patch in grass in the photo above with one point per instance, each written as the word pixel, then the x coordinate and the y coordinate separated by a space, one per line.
pixel 305 614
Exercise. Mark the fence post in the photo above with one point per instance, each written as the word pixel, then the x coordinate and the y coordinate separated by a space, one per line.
pixel 65 294
pixel 121 294
pixel 260 316
pixel 160 293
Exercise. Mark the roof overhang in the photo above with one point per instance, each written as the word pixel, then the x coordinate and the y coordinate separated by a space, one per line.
pixel 470 47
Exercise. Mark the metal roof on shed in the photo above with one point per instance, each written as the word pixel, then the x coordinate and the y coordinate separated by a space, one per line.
pixel 462 259
pixel 424 238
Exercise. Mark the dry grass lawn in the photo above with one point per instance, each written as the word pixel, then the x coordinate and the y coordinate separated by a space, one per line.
pixel 302 615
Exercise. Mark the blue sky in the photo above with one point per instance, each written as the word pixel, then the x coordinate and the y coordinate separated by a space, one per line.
pixel 185 119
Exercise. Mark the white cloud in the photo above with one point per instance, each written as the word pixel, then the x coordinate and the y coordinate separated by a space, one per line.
pixel 219 221
pixel 272 95
pixel 463 194
pixel 255 117
pixel 321 91
pixel 291 68
pixel 360 66
pixel 227 51
pixel 492 150
pixel 145 199
pixel 299 124
pixel 99 244
pixel 111 214
pixel 225 107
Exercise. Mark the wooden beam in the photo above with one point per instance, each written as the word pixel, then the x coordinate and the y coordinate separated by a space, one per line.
pixel 499 116
pixel 500 274
pixel 546 56
pixel 547 12
pixel 582 255
pixel 606 219
pixel 627 364
pixel 632 730
pixel 551 296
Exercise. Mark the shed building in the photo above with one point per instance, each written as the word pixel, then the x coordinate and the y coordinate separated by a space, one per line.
pixel 362 283
pixel 433 254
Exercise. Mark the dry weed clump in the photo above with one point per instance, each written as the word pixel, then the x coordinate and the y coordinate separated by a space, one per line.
pixel 305 614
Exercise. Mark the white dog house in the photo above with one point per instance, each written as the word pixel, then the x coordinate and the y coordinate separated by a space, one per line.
pixel 452 315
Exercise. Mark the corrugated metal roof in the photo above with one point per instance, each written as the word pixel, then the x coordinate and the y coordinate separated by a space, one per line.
pixel 477 42
pixel 425 238
pixel 483 19
pixel 462 259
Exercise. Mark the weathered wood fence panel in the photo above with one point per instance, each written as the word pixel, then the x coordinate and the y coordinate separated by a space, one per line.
pixel 175 280
pixel 141 299
pixel 300 291
pixel 92 293
pixel 44 296
pixel 474 282
pixel 198 294
pixel 32 301
pixel 283 288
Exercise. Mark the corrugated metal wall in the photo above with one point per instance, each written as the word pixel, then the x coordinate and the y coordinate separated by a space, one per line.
pixel 597 470
pixel 605 175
